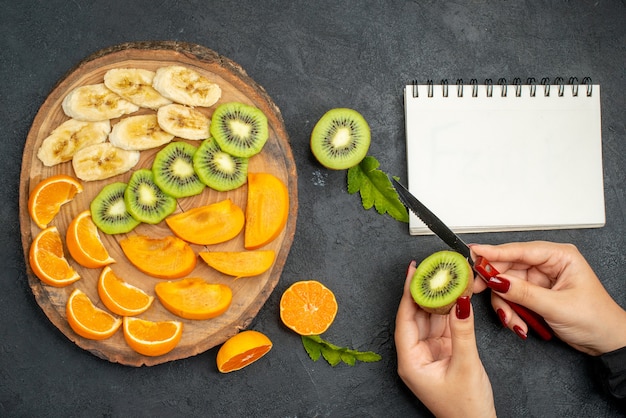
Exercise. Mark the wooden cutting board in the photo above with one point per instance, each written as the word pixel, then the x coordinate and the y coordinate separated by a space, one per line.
pixel 249 294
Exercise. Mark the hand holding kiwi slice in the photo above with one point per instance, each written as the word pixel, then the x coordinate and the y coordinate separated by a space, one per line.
pixel 439 280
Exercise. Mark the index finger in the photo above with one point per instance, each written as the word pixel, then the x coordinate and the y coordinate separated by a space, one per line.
pixel 546 257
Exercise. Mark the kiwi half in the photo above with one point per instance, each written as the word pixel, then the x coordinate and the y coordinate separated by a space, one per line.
pixel 239 129
pixel 340 139
pixel 145 201
pixel 218 169
pixel 173 170
pixel 108 210
pixel 439 280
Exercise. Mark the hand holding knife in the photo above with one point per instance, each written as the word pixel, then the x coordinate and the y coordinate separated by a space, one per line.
pixel 481 266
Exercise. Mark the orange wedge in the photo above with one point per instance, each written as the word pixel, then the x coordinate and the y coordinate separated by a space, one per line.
pixel 47 260
pixel 308 307
pixel 87 320
pixel 152 338
pixel 242 349
pixel 49 195
pixel 194 298
pixel 120 297
pixel 84 243
pixel 239 263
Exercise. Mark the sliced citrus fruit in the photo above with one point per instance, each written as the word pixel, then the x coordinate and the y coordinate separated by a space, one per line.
pixel 47 260
pixel 240 263
pixel 152 338
pixel 242 349
pixel 194 298
pixel 84 243
pixel 49 195
pixel 87 320
pixel 120 297
pixel 166 258
pixel 308 307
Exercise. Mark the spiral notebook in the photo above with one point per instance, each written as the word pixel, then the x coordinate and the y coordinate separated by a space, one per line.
pixel 506 157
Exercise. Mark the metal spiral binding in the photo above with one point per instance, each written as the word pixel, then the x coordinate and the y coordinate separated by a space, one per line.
pixel 517 84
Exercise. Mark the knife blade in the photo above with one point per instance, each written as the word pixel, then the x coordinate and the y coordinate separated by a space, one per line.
pixel 481 266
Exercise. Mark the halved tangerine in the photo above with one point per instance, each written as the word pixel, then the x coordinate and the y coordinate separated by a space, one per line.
pixel 308 307
pixel 120 297
pixel 242 349
pixel 49 195
pixel 47 260
pixel 84 243
pixel 151 338
pixel 87 320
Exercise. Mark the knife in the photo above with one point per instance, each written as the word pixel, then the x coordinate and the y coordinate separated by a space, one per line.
pixel 481 266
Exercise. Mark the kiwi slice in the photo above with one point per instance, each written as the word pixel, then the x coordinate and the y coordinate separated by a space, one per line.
pixel 108 210
pixel 145 201
pixel 239 129
pixel 173 170
pixel 340 139
pixel 440 280
pixel 218 169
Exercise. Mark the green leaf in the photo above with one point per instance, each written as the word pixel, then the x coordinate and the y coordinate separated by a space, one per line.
pixel 315 346
pixel 312 347
pixel 376 189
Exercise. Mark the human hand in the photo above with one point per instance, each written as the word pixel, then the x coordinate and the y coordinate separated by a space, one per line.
pixel 438 358
pixel 555 281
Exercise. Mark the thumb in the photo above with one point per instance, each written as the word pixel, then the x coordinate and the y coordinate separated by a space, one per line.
pixel 464 350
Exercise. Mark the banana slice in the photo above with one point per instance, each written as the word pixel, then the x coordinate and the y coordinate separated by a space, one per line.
pixel 135 85
pixel 139 133
pixel 94 103
pixel 186 86
pixel 101 161
pixel 184 122
pixel 69 137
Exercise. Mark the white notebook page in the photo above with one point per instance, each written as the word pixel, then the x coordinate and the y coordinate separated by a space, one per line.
pixel 506 163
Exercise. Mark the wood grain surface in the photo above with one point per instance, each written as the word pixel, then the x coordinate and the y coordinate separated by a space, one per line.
pixel 249 294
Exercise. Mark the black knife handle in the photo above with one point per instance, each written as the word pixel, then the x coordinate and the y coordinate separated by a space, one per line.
pixel 485 270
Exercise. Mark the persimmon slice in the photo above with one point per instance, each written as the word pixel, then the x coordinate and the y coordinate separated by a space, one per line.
pixel 194 298
pixel 240 263
pixel 166 258
pixel 267 209
pixel 209 224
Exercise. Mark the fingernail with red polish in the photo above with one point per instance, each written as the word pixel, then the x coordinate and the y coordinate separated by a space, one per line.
pixel 502 316
pixel 520 332
pixel 499 284
pixel 463 307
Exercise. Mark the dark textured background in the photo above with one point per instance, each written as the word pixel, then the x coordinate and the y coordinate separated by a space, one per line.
pixel 310 57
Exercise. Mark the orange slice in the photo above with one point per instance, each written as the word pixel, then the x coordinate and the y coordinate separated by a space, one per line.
pixel 166 258
pixel 87 320
pixel 47 260
pixel 194 298
pixel 84 243
pixel 267 210
pixel 308 307
pixel 120 297
pixel 49 195
pixel 242 349
pixel 152 338
pixel 239 263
